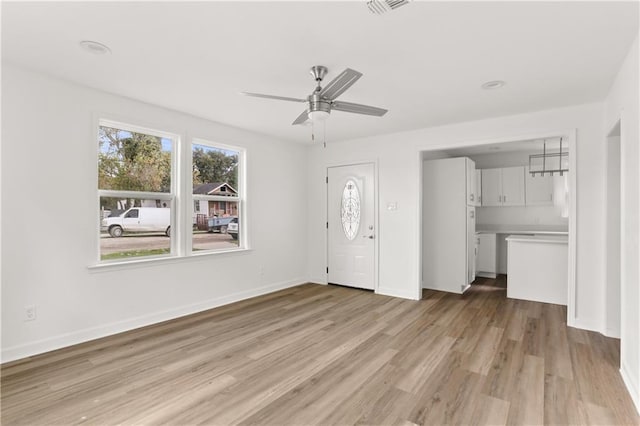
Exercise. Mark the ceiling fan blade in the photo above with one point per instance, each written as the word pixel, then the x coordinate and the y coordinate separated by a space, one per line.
pixel 338 85
pixel 357 108
pixel 279 98
pixel 301 118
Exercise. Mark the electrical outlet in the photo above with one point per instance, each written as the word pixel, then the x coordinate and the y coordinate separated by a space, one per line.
pixel 30 313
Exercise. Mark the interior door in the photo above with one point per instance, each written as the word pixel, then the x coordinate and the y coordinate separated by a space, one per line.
pixel 351 225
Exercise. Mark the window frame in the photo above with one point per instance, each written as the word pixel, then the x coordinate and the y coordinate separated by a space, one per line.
pixel 180 197
pixel 239 198
pixel 171 196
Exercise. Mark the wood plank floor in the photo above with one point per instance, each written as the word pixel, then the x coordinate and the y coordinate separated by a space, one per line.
pixel 318 354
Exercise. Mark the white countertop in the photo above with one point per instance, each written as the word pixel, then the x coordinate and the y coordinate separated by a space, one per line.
pixel 556 239
pixel 522 229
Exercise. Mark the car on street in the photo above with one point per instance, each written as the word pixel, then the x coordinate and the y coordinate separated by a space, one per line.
pixel 232 228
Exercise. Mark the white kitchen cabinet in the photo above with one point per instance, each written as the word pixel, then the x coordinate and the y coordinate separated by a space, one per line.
pixel 448 225
pixel 486 264
pixel 491 187
pixel 513 186
pixel 471 244
pixel 470 172
pixel 478 188
pixel 538 189
pixel 503 187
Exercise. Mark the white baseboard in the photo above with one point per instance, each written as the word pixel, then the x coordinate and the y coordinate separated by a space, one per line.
pixel 612 332
pixel 632 386
pixel 585 325
pixel 80 336
pixel 486 275
pixel 404 294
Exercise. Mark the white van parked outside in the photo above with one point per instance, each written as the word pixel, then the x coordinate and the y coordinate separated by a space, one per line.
pixel 139 219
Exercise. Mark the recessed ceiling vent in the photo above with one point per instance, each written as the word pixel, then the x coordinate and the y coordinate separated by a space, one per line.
pixel 380 7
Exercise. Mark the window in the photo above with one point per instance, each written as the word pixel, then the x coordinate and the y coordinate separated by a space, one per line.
pixel 135 176
pixel 142 211
pixel 215 184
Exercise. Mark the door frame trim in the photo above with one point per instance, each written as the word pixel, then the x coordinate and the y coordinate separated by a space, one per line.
pixel 376 217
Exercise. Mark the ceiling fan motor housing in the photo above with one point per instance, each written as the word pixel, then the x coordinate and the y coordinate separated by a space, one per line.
pixel 318 103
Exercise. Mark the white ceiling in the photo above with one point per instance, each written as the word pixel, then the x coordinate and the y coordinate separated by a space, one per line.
pixel 424 62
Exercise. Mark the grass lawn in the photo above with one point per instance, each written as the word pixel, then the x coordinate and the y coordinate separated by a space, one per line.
pixel 134 253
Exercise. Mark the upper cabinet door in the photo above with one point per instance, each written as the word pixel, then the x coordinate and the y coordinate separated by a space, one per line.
pixel 513 186
pixel 478 188
pixel 491 187
pixel 538 189
pixel 472 196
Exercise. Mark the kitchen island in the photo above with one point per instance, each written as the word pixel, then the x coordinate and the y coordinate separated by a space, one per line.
pixel 537 268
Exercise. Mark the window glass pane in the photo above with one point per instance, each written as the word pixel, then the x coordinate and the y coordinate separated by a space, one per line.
pixel 132 228
pixel 133 161
pixel 219 228
pixel 215 171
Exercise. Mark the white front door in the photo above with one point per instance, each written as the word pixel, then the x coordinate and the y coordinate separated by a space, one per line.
pixel 351 226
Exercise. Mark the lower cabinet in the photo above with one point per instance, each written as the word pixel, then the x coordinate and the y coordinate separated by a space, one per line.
pixel 486 259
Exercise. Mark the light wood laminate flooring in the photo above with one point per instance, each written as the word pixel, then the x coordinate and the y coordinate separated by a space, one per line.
pixel 318 354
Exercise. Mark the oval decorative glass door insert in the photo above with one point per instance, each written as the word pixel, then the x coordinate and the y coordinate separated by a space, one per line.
pixel 350 210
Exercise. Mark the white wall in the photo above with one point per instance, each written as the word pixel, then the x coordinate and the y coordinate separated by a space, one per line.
pixel 525 215
pixel 622 104
pixel 49 155
pixel 399 159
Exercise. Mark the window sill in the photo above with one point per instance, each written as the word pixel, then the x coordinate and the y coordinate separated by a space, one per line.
pixel 155 261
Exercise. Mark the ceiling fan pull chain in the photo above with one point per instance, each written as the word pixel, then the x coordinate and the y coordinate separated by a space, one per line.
pixel 324 134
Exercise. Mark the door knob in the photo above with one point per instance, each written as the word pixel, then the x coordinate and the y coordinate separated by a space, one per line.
pixel 371 237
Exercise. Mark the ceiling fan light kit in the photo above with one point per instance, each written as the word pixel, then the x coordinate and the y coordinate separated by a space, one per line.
pixel 322 101
pixel 380 7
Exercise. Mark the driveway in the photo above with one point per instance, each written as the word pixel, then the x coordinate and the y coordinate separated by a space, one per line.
pixel 201 241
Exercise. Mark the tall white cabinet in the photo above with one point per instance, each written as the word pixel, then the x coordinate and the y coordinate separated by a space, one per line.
pixel 478 188
pixel 449 195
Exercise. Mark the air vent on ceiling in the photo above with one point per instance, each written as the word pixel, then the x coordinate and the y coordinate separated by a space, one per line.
pixel 383 6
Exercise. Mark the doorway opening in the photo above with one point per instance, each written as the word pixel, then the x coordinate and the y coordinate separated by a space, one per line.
pixel 502 208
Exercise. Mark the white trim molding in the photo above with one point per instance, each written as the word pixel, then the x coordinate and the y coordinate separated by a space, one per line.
pixel 394 292
pixel 632 386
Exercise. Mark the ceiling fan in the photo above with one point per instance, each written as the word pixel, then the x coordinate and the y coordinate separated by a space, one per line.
pixel 323 99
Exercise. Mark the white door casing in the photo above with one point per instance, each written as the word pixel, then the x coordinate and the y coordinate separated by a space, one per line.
pixel 351 232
